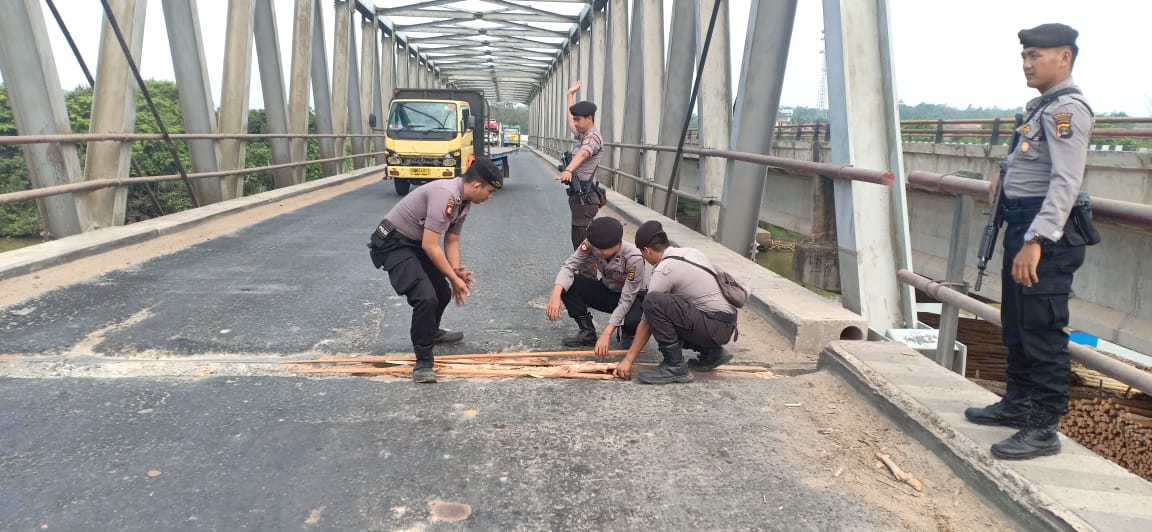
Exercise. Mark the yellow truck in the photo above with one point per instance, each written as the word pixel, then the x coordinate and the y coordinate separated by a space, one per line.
pixel 433 134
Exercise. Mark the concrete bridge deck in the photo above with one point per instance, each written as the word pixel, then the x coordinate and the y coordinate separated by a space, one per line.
pixel 142 390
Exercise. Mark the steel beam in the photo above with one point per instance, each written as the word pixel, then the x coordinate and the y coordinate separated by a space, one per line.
pixel 677 93
pixel 341 46
pixel 353 114
pixel 114 111
pixel 871 221
pixel 302 33
pixel 633 102
pixel 33 86
pixel 272 87
pixel 234 91
pixel 715 109
pixel 615 78
pixel 653 35
pixel 195 91
pixel 598 39
pixel 758 97
pixel 321 95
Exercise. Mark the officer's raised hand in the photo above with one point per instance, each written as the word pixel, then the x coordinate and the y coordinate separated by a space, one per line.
pixel 575 87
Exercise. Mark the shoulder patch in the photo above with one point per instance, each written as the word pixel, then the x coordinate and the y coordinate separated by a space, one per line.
pixel 588 140
pixel 1063 125
pixel 584 247
pixel 1025 129
pixel 631 273
pixel 450 207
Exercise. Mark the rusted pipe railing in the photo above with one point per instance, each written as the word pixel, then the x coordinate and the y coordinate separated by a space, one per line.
pixel 1136 215
pixel 95 137
pixel 97 184
pixel 879 177
pixel 1134 377
pixel 658 186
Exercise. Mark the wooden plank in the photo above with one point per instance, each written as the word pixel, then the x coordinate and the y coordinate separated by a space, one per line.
pixel 441 358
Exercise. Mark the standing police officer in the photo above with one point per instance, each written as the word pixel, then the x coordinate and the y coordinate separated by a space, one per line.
pixel 582 167
pixel 684 308
pixel 407 245
pixel 1048 226
pixel 619 289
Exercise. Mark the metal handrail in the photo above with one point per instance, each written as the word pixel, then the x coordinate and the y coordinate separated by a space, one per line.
pixel 97 184
pixel 1134 377
pixel 96 137
pixel 1136 215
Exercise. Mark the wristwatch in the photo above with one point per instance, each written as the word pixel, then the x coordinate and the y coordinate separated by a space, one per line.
pixel 1032 237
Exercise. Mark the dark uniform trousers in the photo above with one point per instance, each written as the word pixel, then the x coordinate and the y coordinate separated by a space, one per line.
pixel 672 318
pixel 1034 318
pixel 587 292
pixel 413 276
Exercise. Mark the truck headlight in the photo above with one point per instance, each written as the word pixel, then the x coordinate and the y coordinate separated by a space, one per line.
pixel 448 161
pixel 394 160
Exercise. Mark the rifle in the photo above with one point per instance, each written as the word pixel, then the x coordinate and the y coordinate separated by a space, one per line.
pixel 575 187
pixel 996 215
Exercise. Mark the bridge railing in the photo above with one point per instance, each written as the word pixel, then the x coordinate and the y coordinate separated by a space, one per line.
pixel 993 131
pixel 109 182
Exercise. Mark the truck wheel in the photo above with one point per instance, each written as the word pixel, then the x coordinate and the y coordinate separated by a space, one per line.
pixel 402 186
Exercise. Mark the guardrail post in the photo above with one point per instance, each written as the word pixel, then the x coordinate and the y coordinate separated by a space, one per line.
pixel 954 279
pixel 939 131
pixel 995 141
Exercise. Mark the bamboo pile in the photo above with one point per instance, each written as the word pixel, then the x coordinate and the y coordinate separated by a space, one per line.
pixel 543 365
pixel 1119 432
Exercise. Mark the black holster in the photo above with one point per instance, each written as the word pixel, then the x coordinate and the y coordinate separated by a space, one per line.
pixel 1079 229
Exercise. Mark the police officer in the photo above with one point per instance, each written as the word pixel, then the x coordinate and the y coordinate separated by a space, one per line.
pixel 1043 246
pixel 582 167
pixel 684 308
pixel 407 245
pixel 619 289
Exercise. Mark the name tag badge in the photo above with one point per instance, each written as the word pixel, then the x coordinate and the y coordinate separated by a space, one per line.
pixel 1025 146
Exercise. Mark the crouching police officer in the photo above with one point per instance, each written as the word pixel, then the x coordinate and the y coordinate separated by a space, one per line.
pixel 684 308
pixel 407 245
pixel 619 289
pixel 1048 225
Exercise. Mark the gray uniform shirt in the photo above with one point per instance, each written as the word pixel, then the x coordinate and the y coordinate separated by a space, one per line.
pixel 592 143
pixel 1050 158
pixel 623 273
pixel 436 206
pixel 680 278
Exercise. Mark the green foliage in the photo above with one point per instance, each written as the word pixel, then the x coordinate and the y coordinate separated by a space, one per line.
pixel 511 114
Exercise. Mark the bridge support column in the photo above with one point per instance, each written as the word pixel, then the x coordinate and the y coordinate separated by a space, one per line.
pixel 236 85
pixel 302 32
pixel 598 59
pixel 33 86
pixel 715 110
pixel 761 80
pixel 114 111
pixel 371 73
pixel 615 81
pixel 342 40
pixel 272 87
pixel 199 112
pixel 402 67
pixel 653 49
pixel 352 115
pixel 321 95
pixel 677 93
pixel 871 220
pixel 634 102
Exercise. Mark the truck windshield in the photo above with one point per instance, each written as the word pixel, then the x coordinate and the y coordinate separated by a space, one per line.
pixel 423 120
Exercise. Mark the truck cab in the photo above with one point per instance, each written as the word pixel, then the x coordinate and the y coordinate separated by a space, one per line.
pixel 432 134
pixel 511 136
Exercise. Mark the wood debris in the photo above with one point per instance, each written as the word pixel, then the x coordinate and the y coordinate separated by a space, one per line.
pixel 900 475
pixel 541 365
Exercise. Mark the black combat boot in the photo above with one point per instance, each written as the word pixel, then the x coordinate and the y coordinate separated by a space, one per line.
pixel 710 358
pixel 586 336
pixel 444 336
pixel 1010 411
pixel 1039 437
pixel 672 369
pixel 423 373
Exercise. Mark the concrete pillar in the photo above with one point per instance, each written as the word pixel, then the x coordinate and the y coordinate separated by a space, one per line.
pixel 871 220
pixel 402 67
pixel 677 93
pixel 762 77
pixel 584 49
pixel 33 86
pixel 598 59
pixel 341 43
pixel 715 107
pixel 615 78
pixel 114 111
pixel 302 22
pixel 369 76
pixel 321 97
pixel 387 70
pixel 353 117
pixel 653 35
pixel 272 87
pixel 634 102
pixel 199 112
pixel 378 89
pixel 234 91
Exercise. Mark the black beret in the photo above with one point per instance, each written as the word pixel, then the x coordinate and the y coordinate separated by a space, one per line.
pixel 487 170
pixel 1049 36
pixel 647 232
pixel 605 232
pixel 583 109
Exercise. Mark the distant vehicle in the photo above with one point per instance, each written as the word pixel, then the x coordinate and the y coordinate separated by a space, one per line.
pixel 511 136
pixel 431 134
pixel 492 132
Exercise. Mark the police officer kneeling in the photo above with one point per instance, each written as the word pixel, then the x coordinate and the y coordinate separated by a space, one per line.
pixel 407 245
pixel 684 307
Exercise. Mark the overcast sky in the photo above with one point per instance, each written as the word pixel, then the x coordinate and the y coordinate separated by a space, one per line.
pixel 957 53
